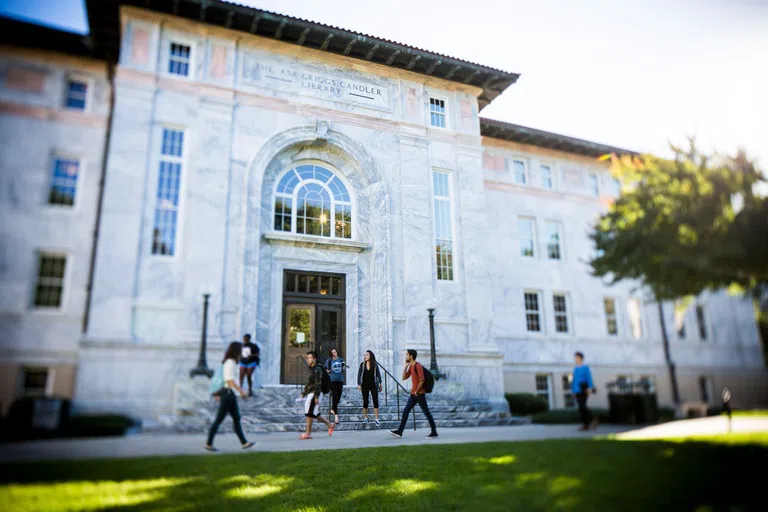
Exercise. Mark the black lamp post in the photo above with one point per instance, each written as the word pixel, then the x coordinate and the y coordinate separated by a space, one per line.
pixel 202 366
pixel 433 362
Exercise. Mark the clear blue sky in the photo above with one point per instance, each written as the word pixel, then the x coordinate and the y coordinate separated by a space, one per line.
pixel 631 73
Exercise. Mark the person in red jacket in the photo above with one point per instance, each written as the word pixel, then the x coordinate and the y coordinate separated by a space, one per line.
pixel 415 371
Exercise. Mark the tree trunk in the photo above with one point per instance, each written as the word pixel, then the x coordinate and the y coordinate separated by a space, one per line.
pixel 668 357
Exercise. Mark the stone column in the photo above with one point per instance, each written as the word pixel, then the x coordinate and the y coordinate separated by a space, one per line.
pixel 120 240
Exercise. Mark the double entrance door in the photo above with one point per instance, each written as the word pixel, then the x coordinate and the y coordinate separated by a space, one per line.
pixel 313 319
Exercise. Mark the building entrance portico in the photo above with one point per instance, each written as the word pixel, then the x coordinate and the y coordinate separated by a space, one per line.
pixel 313 319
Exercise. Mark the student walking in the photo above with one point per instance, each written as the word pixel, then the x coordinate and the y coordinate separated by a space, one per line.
pixel 582 386
pixel 415 371
pixel 335 365
pixel 227 399
pixel 369 382
pixel 313 392
pixel 249 360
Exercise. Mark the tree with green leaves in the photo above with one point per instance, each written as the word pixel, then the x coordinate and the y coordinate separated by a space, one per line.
pixel 684 226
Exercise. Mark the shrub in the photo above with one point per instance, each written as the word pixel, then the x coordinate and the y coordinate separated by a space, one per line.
pixel 523 404
pixel 96 426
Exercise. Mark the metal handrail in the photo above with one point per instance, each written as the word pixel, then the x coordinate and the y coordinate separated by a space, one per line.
pixel 398 388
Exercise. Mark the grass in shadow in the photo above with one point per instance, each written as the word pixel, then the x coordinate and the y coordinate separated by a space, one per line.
pixel 578 475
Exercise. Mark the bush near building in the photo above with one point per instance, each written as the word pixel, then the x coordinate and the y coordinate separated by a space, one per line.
pixel 524 404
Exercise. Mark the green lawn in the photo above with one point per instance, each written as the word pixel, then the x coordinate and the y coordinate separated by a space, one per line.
pixel 723 473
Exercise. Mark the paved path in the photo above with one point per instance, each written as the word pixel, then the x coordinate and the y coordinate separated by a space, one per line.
pixel 147 445
pixel 699 427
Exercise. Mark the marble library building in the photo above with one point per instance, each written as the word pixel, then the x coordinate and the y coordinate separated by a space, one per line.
pixel 325 188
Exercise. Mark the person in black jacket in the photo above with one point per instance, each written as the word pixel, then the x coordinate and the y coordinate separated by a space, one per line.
pixel 249 360
pixel 369 381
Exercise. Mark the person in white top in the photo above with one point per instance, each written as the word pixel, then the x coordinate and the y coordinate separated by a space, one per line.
pixel 227 399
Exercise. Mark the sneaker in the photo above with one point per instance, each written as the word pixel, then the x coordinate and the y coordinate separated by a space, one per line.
pixel 365 421
pixel 396 434
pixel 305 436
pixel 377 422
pixel 433 435
pixel 209 448
pixel 330 431
pixel 250 445
pixel 593 425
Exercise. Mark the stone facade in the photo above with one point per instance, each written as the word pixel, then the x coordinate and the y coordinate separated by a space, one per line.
pixel 251 108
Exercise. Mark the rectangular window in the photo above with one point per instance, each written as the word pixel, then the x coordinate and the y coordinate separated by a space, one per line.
pixel 520 170
pixel 700 321
pixel 35 381
pixel 544 387
pixel 77 93
pixel 568 392
pixel 616 184
pixel 64 181
pixel 168 190
pixel 437 112
pixel 611 322
pixel 705 389
pixel 679 321
pixel 561 312
pixel 179 59
pixel 532 312
pixel 634 309
pixel 527 235
pixel 50 281
pixel 546 177
pixel 594 188
pixel 443 228
pixel 553 241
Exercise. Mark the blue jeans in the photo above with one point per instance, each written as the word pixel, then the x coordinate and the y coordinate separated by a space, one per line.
pixel 412 401
pixel 227 405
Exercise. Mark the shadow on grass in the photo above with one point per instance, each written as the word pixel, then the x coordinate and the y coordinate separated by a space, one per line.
pixel 537 475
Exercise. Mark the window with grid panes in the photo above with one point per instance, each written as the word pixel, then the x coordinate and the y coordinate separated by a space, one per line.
pixel 568 391
pixel 700 321
pixel 594 187
pixel 437 112
pixel 520 171
pixel 612 325
pixel 50 281
pixel 532 312
pixel 546 176
pixel 35 381
pixel 168 193
pixel 554 251
pixel 77 94
pixel 311 200
pixel 64 181
pixel 634 309
pixel 561 312
pixel 527 236
pixel 179 59
pixel 543 388
pixel 443 225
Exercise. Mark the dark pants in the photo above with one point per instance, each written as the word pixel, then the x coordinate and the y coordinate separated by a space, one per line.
pixel 586 416
pixel 336 388
pixel 227 405
pixel 374 392
pixel 412 401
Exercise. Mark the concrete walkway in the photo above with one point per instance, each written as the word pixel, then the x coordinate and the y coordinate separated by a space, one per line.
pixel 700 427
pixel 149 445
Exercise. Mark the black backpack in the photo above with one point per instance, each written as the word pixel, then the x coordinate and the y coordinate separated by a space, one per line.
pixel 429 380
pixel 325 386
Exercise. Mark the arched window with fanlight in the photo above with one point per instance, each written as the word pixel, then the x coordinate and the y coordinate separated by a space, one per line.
pixel 311 200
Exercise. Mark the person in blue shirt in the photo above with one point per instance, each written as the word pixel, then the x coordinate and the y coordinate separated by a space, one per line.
pixel 582 386
pixel 335 365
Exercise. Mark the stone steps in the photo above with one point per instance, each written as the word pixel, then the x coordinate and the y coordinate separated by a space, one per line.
pixel 274 409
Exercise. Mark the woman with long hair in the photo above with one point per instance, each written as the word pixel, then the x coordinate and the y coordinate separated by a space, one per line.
pixel 334 365
pixel 227 399
pixel 369 381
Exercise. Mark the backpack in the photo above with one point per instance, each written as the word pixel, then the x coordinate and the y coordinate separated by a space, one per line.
pixel 217 381
pixel 325 386
pixel 429 380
